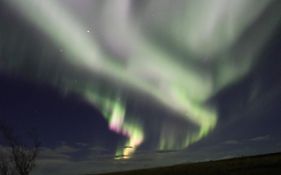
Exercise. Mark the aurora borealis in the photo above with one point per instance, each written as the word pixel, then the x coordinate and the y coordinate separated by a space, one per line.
pixel 152 68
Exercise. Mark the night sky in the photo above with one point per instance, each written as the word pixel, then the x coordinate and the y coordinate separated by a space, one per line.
pixel 116 85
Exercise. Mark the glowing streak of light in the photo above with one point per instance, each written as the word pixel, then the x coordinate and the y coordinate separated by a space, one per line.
pixel 114 111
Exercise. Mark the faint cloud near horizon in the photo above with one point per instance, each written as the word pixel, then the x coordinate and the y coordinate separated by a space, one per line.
pixel 81 144
pixel 260 138
pixel 253 139
pixel 66 149
pixel 231 142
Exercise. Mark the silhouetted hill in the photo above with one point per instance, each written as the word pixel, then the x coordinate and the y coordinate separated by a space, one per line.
pixel 269 164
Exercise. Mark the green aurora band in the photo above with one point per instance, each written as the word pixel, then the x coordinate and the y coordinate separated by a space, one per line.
pixel 208 32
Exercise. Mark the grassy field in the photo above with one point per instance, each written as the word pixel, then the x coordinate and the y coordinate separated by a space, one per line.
pixel 269 164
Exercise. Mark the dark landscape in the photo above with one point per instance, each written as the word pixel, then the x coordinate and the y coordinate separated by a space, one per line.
pixel 269 164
